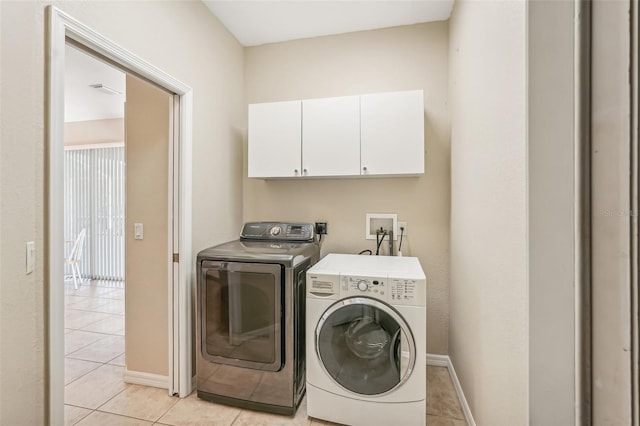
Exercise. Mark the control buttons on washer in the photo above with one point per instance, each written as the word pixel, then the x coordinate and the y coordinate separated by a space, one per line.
pixel 404 290
pixel 363 285
pixel 275 230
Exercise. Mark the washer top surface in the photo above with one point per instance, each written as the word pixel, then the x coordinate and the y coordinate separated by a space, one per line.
pixel 353 264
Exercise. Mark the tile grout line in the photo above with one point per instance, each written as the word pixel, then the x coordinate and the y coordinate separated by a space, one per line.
pixel 97 311
pixel 98 362
pixel 168 409
pixel 85 346
pixel 132 417
pixel 83 417
pixel 93 410
pixel 102 364
pixel 81 376
pixel 110 398
pixel 70 356
pixel 94 332
pixel 87 325
pixel 123 415
pixel 235 418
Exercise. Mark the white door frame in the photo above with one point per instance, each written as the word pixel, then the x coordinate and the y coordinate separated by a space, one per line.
pixel 61 27
pixel 612 254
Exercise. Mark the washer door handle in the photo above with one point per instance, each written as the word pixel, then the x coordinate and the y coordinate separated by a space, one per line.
pixel 403 354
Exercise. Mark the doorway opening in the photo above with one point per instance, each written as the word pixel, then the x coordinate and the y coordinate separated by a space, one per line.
pixel 176 375
pixel 94 231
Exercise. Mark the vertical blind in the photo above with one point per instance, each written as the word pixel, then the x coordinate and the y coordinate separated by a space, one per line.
pixel 94 199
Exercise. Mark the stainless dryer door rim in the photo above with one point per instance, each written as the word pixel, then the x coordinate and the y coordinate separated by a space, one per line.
pixel 406 339
pixel 272 269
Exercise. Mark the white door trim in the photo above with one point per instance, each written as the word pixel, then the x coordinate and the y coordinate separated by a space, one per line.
pixel 62 26
pixel 611 196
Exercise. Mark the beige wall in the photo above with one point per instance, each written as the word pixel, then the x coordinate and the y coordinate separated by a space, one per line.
pixel 489 294
pixel 196 37
pixel 94 131
pixel 204 55
pixel 401 58
pixel 22 297
pixel 149 118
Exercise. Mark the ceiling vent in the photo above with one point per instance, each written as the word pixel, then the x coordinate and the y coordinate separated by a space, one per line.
pixel 105 89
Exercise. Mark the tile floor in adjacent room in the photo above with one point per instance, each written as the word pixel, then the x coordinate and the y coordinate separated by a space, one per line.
pixel 95 392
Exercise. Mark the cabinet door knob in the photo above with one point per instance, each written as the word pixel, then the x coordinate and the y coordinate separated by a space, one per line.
pixel 295 171
pixel 304 171
pixel 364 169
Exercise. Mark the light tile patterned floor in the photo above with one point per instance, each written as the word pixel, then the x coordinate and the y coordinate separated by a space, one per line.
pixel 95 392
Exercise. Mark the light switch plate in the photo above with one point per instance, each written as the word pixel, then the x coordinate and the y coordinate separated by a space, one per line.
pixel 31 256
pixel 138 231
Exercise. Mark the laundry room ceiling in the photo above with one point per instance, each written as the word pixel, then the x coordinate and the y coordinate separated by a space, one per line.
pixel 83 102
pixel 252 22
pixel 255 22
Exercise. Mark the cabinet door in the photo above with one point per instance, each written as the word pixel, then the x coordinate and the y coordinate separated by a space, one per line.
pixel 392 133
pixel 274 139
pixel 331 136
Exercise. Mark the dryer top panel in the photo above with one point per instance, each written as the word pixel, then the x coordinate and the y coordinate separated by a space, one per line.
pixel 277 231
pixel 353 264
pixel 285 253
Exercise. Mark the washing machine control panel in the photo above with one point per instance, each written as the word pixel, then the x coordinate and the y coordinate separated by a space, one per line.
pixel 400 291
pixel 352 285
pixel 405 291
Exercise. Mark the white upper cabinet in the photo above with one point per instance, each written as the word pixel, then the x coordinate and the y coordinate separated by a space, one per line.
pixel 331 136
pixel 275 139
pixel 369 135
pixel 392 133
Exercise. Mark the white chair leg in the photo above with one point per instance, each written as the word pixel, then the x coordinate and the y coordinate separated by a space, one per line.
pixel 75 276
pixel 78 273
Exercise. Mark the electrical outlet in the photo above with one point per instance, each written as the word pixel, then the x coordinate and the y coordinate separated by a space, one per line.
pixel 322 228
pixel 400 230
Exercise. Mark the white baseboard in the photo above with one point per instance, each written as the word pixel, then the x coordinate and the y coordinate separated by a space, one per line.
pixel 445 361
pixel 146 379
pixel 438 360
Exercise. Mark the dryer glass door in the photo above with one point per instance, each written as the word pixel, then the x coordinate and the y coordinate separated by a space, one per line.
pixel 241 314
pixel 365 346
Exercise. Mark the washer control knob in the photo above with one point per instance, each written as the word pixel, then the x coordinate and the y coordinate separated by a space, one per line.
pixel 275 230
pixel 362 285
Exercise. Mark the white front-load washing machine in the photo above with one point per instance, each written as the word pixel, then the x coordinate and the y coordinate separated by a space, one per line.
pixel 366 340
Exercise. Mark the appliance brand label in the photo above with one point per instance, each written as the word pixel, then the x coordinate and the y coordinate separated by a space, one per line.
pixel 318 286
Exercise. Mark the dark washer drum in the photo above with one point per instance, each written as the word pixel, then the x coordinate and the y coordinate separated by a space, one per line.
pixel 365 346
